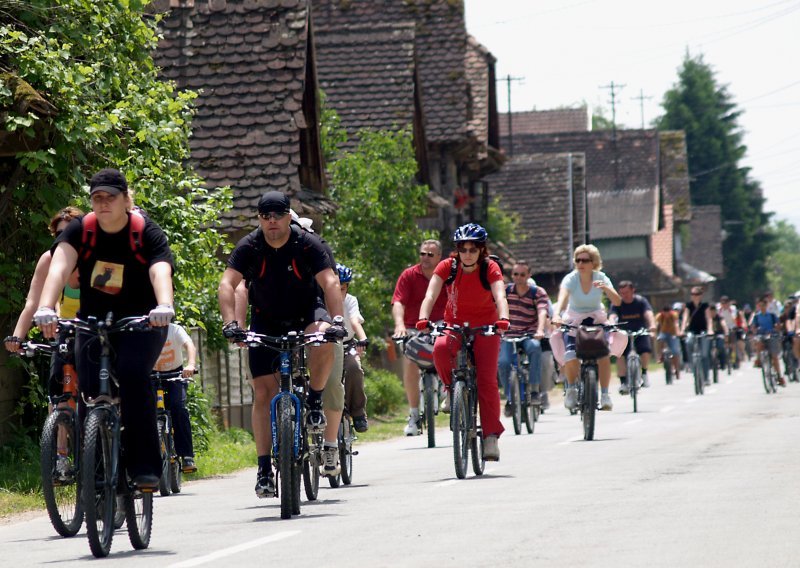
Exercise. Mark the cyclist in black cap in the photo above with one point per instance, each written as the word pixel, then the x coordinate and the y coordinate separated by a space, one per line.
pixel 293 285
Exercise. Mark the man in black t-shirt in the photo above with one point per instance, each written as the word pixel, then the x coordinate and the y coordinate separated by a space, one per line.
pixel 696 319
pixel 634 311
pixel 293 286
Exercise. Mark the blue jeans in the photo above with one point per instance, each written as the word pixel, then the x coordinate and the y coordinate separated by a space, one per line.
pixel 508 355
pixel 705 350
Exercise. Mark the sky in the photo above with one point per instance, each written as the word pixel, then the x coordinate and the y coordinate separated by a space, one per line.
pixel 563 52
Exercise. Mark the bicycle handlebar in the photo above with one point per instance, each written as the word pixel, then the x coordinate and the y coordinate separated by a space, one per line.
pixel 176 375
pixel 94 325
pixel 291 340
pixel 440 328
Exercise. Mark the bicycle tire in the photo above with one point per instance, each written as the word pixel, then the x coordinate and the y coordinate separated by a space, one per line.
pixel 460 427
pixel 429 398
pixel 516 408
pixel 589 409
pixel 286 425
pixel 311 479
pixel 667 362
pixel 175 467
pixel 346 450
pixel 715 368
pixel 634 369
pixel 765 370
pixel 697 371
pixel 529 411
pixel 163 443
pixel 139 517
pixel 297 474
pixel 98 491
pixel 61 498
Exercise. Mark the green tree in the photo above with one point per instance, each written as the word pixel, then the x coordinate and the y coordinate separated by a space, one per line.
pixel 784 262
pixel 705 111
pixel 92 62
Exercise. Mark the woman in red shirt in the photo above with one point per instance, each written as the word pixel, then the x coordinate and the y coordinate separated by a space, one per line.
pixel 468 302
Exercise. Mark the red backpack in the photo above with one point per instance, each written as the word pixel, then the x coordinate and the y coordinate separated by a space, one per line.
pixel 135 232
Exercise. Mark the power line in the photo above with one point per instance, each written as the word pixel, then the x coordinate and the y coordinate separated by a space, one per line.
pixel 778 90
pixel 508 79
pixel 641 98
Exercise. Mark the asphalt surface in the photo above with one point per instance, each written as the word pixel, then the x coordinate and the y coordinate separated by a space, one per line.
pixel 687 481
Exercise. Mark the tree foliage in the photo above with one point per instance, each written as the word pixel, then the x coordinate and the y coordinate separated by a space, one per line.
pixel 705 111
pixel 92 61
pixel 784 262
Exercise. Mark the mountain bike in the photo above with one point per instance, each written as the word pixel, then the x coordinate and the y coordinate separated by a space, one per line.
pixel 789 360
pixel 296 451
pixel 587 386
pixel 698 370
pixel 59 455
pixel 666 361
pixel 171 471
pixel 522 409
pixel 464 418
pixel 633 365
pixel 769 374
pixel 717 363
pixel 102 472
pixel 419 349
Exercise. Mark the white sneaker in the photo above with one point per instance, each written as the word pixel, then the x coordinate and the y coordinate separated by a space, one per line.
pixel 446 403
pixel 62 467
pixel 491 451
pixel 624 389
pixel 412 429
pixel 571 398
pixel 645 381
pixel 605 402
pixel 330 462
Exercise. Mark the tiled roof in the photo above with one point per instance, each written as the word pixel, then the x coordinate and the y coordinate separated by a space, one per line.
pixel 440 42
pixel 628 162
pixel 675 172
pixel 480 77
pixel 248 60
pixel 624 213
pixel 646 276
pixel 546 121
pixel 536 188
pixel 704 248
pixel 367 74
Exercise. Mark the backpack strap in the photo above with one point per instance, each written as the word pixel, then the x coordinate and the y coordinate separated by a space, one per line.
pixel 136 235
pixel 88 235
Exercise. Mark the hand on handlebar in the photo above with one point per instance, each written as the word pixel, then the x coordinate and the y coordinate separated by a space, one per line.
pixel 13 344
pixel 161 315
pixel 423 325
pixel 188 371
pixel 502 324
pixel 233 332
pixel 46 319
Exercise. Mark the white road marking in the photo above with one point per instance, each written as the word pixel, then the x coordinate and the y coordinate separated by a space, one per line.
pixel 667 409
pixel 630 422
pixel 234 549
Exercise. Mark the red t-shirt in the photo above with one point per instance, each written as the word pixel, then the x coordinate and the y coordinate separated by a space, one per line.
pixel 410 291
pixel 467 300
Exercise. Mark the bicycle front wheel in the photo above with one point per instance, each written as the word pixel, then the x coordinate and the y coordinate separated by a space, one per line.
pixel 346 449
pixel 516 409
pixel 429 399
pixel 99 485
pixel 697 370
pixel 139 516
pixel 589 409
pixel 634 374
pixel 667 368
pixel 311 465
pixel 163 441
pixel 286 426
pixel 459 418
pixel 529 410
pixel 766 371
pixel 61 489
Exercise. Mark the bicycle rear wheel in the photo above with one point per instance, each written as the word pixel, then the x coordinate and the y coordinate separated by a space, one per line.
pixel 99 486
pixel 286 426
pixel 766 371
pixel 529 410
pixel 589 409
pixel 634 371
pixel 697 370
pixel 346 449
pixel 459 419
pixel 667 362
pixel 139 517
pixel 163 441
pixel 429 400
pixel 516 408
pixel 175 468
pixel 61 489
pixel 311 477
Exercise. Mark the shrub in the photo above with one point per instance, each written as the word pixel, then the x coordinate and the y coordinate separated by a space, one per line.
pixel 384 391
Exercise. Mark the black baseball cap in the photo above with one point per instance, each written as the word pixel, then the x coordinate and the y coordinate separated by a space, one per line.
pixel 274 202
pixel 109 180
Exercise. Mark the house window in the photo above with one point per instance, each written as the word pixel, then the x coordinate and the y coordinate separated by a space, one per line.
pixel 628 247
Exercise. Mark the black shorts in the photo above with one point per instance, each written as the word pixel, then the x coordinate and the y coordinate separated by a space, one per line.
pixel 265 361
pixel 643 345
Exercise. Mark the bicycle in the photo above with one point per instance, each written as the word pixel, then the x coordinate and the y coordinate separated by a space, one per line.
pixel 421 354
pixel 716 356
pixel 633 365
pixel 464 419
pixel 667 362
pixel 345 438
pixel 171 471
pixel 587 386
pixel 59 455
pixel 698 370
pixel 789 360
pixel 296 450
pixel 768 372
pixel 522 410
pixel 102 472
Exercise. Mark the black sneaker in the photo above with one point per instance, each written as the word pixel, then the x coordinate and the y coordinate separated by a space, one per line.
pixel 360 423
pixel 535 400
pixel 265 485
pixel 188 465
pixel 315 419
pixel 508 410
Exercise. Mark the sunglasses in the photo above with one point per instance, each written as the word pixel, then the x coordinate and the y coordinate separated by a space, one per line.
pixel 273 216
pixel 519 274
pixel 583 260
pixel 468 250
pixel 697 293
pixel 428 254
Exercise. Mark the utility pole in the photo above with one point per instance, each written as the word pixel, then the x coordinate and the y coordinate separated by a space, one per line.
pixel 613 87
pixel 508 79
pixel 641 98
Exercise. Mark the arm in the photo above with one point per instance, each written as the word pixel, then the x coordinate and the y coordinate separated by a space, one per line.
pixel 610 293
pixel 684 320
pixel 561 304
pixel 499 294
pixel 191 355
pixel 240 303
pixel 650 320
pixel 31 302
pixel 328 280
pixel 434 287
pixel 398 313
pixel 161 279
pixel 709 323
pixel 541 323
pixel 61 265
pixel 226 294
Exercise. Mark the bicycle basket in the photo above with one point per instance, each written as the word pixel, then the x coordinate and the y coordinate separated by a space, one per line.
pixel 590 343
pixel 420 350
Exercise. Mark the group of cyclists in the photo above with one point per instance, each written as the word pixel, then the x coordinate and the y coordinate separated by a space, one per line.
pixel 117 260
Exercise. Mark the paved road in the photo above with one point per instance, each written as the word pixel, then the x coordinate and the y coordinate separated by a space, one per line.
pixel 687 481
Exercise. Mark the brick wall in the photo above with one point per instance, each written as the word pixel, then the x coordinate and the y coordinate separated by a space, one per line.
pixel 661 244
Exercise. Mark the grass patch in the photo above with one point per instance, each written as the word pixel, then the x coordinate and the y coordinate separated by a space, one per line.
pixel 227 452
pixel 20 488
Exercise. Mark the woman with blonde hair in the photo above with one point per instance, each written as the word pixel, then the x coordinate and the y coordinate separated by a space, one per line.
pixel 581 294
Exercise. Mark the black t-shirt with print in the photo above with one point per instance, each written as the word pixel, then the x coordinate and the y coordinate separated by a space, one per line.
pixel 697 317
pixel 282 281
pixel 632 314
pixel 112 279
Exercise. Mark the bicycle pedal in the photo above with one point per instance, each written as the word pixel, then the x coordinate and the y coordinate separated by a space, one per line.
pixel 354 453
